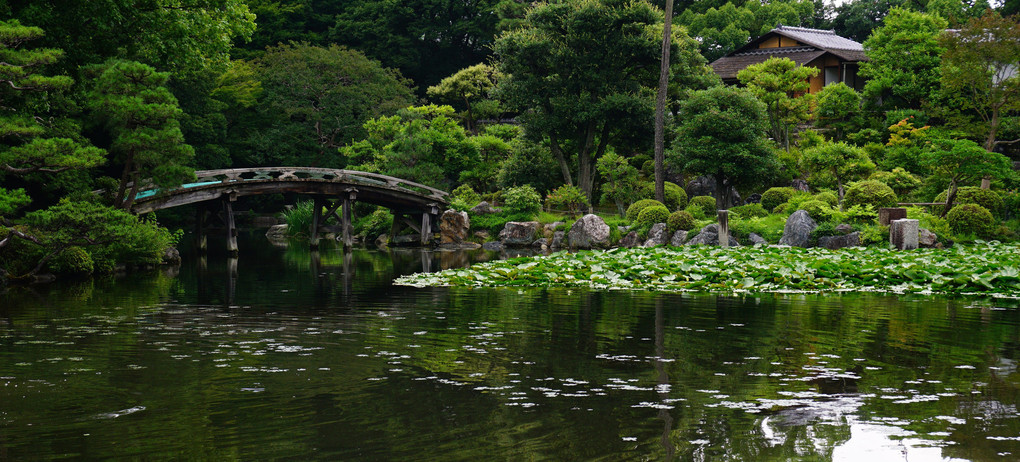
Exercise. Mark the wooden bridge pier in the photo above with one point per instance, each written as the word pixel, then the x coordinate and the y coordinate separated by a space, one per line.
pixel 226 217
pixel 403 220
pixel 319 218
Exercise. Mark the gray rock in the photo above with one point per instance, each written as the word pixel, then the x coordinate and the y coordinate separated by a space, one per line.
pixel 800 185
pixel 406 240
pixel 518 233
pixel 705 186
pixel 483 208
pixel 797 232
pixel 550 228
pixel 903 234
pixel 459 246
pixel 171 256
pixel 383 240
pixel 557 241
pixel 709 235
pixel 631 240
pixel 493 245
pixel 542 243
pixel 657 236
pixel 839 242
pixel 277 233
pixel 481 235
pixel 453 227
pixel 927 238
pixel 754 198
pixel 678 238
pixel 844 228
pixel 756 239
pixel 589 232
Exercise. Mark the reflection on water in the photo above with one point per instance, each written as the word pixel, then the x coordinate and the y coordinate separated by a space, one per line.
pixel 285 353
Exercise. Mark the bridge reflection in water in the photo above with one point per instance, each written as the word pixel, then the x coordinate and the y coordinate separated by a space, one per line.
pixel 413 205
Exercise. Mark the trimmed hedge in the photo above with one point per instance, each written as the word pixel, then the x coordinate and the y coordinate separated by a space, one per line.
pixel 637 207
pixel 774 197
pixel 869 192
pixel 652 215
pixel 680 220
pixel 971 219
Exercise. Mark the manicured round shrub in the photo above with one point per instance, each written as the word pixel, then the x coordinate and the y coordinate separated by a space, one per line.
pixel 707 203
pixel 986 198
pixel 817 209
pixel 522 200
pixel 828 197
pixel 970 219
pixel 652 215
pixel 869 192
pixel 567 197
pixel 751 210
pixel 73 260
pixel 637 207
pixel 696 211
pixel 676 197
pixel 774 197
pixel 680 220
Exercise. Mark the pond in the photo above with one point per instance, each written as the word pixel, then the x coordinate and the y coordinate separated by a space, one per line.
pixel 282 355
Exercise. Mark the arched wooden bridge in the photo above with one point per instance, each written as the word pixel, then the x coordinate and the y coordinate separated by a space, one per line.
pixel 331 189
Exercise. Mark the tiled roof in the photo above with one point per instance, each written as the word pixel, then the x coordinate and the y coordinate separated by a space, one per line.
pixel 728 66
pixel 825 39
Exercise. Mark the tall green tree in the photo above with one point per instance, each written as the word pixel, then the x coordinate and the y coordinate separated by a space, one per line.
pixel 979 68
pixel 314 100
pixel 838 107
pixel 781 84
pixel 721 134
pixel 581 73
pixel 467 88
pixel 963 161
pixel 904 57
pixel 840 160
pixel 141 116
pixel 729 26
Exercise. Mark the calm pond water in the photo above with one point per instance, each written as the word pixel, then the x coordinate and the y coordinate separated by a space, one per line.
pixel 284 356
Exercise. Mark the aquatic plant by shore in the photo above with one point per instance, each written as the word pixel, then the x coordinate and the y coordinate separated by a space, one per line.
pixel 989 268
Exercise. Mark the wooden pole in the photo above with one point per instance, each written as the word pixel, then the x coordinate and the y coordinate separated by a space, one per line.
pixel 345 222
pixel 426 228
pixel 313 234
pixel 228 211
pixel 202 243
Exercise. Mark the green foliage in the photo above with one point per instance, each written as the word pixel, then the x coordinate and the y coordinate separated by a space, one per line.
pixel 963 161
pixel 722 28
pixel 842 161
pixel 635 209
pixel 493 152
pixel 620 180
pixel 522 200
pixel 971 219
pixel 680 220
pixel 652 215
pixel 529 163
pixel 869 192
pixel 12 200
pixel 769 227
pixel 930 221
pixel 861 214
pixel 464 198
pixel 315 100
pixel 495 222
pixel 828 197
pixel 696 211
pixel 299 218
pixel 775 82
pixel 774 197
pixel 990 200
pixel 73 260
pixel 904 57
pixel 817 209
pixel 838 107
pixel 567 197
pixel 748 211
pixel 676 197
pixel 707 203
pixel 466 88
pixel 984 268
pixel 721 135
pixel 380 221
pixel 900 180
pixel 141 115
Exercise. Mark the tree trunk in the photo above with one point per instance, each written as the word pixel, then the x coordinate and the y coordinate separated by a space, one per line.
pixel 660 108
pixel 585 163
pixel 564 166
pixel 950 197
pixel 470 117
pixel 620 208
pixel 130 200
pixel 125 177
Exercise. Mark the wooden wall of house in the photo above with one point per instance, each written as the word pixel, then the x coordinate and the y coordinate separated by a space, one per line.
pixel 778 41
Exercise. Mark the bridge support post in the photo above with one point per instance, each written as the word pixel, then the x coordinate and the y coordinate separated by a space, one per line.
pixel 228 212
pixel 345 221
pixel 202 240
pixel 313 234
pixel 426 224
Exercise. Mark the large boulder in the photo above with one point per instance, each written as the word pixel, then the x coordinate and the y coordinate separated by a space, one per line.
pixel 453 227
pixel 709 235
pixel 756 239
pixel 630 240
pixel 588 232
pixel 838 242
pixel 657 236
pixel 705 186
pixel 518 233
pixel 483 208
pixel 926 238
pixel 277 233
pixel 797 232
pixel 678 239
pixel 557 240
pixel 171 256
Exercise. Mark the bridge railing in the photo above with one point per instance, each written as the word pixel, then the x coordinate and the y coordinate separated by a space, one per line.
pixel 210 177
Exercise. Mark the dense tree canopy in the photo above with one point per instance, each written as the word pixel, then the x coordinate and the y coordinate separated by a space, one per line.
pixel 904 56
